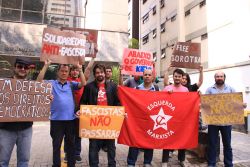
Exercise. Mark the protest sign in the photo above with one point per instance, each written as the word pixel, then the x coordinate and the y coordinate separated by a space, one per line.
pixel 23 100
pixel 64 47
pixel 91 41
pixel 135 61
pixel 100 122
pixel 222 109
pixel 186 55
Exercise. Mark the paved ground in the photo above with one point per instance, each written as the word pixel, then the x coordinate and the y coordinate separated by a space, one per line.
pixel 41 152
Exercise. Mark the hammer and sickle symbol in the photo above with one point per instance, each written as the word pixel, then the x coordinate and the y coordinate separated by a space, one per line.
pixel 159 121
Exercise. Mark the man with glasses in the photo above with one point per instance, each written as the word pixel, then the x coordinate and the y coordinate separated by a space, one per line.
pixel 16 133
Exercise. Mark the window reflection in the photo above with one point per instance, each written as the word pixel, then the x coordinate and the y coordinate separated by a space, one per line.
pixel 12 15
pixel 32 17
pixel 15 4
pixel 67 13
pixel 34 5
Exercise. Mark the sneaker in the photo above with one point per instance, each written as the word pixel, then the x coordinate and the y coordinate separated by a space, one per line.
pixel 182 164
pixel 78 158
pixel 131 165
pixel 164 164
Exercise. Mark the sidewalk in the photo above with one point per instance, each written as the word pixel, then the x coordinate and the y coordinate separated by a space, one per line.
pixel 41 152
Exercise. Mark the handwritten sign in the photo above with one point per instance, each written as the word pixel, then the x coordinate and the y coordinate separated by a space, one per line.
pixel 186 55
pixel 92 36
pixel 222 109
pixel 64 47
pixel 135 61
pixel 23 100
pixel 100 122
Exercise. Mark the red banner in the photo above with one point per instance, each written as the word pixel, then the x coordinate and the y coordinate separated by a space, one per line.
pixel 159 120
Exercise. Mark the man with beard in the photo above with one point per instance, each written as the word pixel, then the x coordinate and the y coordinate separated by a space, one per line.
pixel 100 92
pixel 176 87
pixel 213 130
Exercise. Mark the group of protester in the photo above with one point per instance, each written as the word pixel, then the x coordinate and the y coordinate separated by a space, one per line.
pixel 70 90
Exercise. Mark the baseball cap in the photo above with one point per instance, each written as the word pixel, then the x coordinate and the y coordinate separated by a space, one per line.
pixel 23 60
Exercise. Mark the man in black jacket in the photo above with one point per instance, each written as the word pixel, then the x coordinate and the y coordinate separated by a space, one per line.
pixel 16 133
pixel 100 92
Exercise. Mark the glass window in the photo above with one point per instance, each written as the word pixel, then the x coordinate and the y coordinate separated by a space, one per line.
pixel 15 4
pixel 32 17
pixel 8 14
pixel 34 5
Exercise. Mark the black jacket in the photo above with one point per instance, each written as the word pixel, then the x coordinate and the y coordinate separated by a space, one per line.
pixel 90 94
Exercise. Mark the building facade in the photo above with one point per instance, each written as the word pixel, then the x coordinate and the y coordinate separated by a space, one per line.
pixel 22 23
pixel 220 27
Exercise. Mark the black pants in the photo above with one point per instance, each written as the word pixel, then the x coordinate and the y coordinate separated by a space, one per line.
pixel 59 129
pixel 94 147
pixel 78 146
pixel 165 155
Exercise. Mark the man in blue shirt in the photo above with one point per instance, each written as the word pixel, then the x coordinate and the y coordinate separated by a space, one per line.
pixel 63 111
pixel 213 130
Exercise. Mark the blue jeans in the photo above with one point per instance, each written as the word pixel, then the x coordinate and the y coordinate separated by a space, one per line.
pixel 133 154
pixel 22 139
pixel 94 147
pixel 213 132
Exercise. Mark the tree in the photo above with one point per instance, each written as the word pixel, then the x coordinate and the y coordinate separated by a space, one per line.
pixel 133 43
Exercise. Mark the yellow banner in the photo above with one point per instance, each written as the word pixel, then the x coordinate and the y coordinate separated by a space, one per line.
pixel 222 109
pixel 101 122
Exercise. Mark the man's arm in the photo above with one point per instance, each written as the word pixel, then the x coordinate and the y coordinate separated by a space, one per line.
pixel 166 76
pixel 200 77
pixel 82 77
pixel 88 68
pixel 43 71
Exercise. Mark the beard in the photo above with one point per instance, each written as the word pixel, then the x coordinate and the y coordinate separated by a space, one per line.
pixel 219 82
pixel 100 78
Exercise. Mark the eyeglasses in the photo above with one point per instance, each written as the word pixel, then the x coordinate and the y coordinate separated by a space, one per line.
pixel 19 66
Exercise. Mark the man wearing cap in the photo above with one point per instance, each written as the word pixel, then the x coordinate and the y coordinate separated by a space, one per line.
pixel 19 133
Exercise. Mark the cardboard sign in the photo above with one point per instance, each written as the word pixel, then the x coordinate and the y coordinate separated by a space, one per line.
pixel 222 109
pixel 91 41
pixel 62 47
pixel 186 55
pixel 23 100
pixel 135 61
pixel 100 122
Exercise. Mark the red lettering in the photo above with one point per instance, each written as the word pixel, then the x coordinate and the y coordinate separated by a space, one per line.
pixel 50 49
pixel 126 60
pixel 128 68
pixel 100 121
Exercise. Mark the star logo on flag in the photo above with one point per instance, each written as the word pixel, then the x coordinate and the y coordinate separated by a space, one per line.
pixel 160 120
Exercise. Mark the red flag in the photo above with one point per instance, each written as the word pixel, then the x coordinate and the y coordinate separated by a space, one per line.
pixel 159 120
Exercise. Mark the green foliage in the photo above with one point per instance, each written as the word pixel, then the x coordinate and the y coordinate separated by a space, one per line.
pixel 133 43
pixel 115 74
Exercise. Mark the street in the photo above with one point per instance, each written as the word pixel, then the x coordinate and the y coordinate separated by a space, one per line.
pixel 41 152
